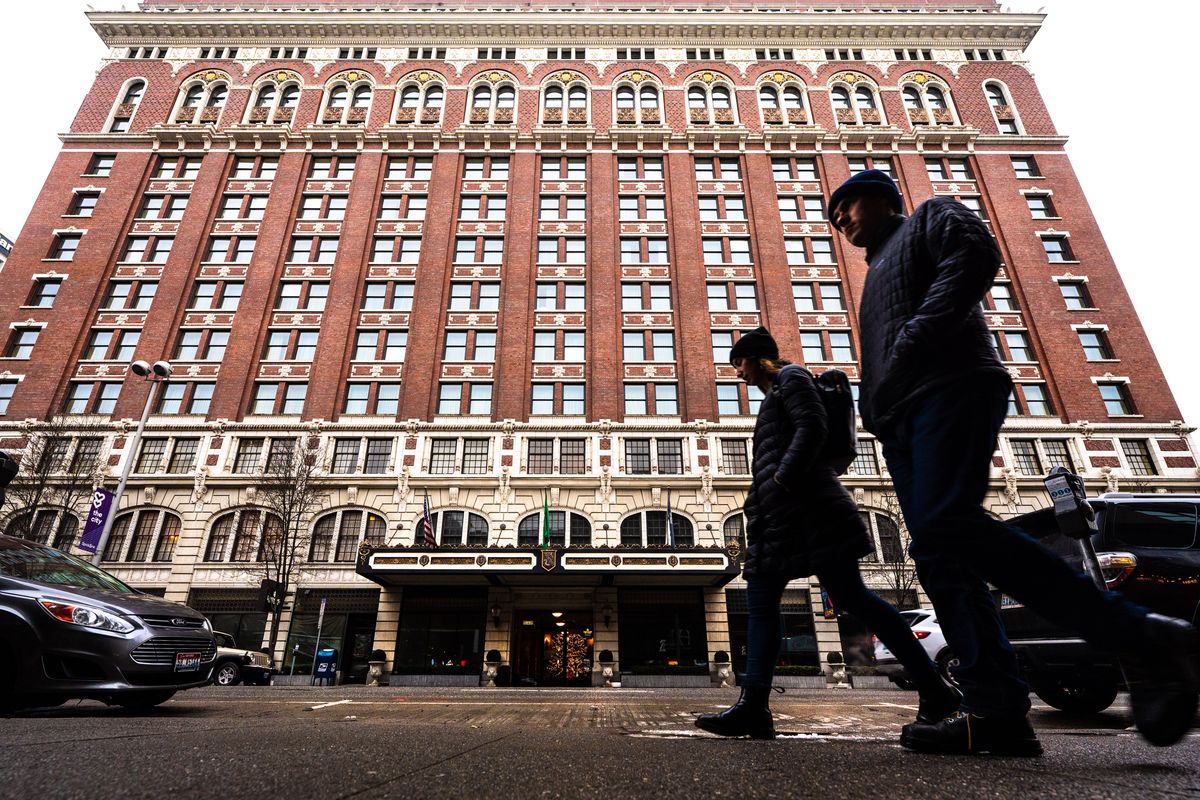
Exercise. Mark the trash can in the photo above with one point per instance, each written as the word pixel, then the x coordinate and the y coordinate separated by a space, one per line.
pixel 325 666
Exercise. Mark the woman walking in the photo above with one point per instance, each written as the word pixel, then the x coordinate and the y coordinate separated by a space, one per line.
pixel 801 521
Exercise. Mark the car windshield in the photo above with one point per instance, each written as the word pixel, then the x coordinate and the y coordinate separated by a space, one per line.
pixel 224 639
pixel 33 562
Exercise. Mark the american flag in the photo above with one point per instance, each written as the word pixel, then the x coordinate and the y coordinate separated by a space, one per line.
pixel 427 539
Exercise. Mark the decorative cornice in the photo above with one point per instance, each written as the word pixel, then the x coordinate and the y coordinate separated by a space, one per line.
pixel 120 28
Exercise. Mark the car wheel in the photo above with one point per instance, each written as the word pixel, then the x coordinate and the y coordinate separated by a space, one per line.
pixel 140 701
pixel 946 661
pixel 228 674
pixel 1075 694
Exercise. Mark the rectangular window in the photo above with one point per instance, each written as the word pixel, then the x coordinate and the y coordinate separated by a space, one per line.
pixel 183 456
pixel 1057 249
pixel 1057 454
pixel 443 456
pixel 7 388
pixel 1018 347
pixel 44 292
pixel 734 458
pixel 1040 206
pixel 637 456
pixel 1137 457
pixel 20 344
pixel 476 456
pixel 572 455
pixel 151 458
pixel 1036 401
pixel 1025 167
pixel 541 457
pixel 1117 400
pixel 1095 345
pixel 249 453
pixel 345 456
pixel 64 246
pixel 1075 294
pixel 635 399
pixel 1025 457
pixel 1001 298
pixel 811 347
pixel 670 456
pixel 101 165
pixel 865 460
pixel 83 204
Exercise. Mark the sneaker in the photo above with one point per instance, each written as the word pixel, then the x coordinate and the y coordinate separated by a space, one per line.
pixel 971 734
pixel 938 703
pixel 1164 686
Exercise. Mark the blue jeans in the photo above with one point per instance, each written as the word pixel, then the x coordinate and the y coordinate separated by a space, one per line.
pixel 844 584
pixel 940 456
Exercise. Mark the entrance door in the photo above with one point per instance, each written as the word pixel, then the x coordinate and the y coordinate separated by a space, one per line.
pixel 356 648
pixel 551 650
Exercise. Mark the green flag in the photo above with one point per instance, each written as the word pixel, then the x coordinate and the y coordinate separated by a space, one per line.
pixel 545 522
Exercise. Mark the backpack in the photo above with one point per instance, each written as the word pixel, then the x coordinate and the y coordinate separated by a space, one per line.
pixel 841 441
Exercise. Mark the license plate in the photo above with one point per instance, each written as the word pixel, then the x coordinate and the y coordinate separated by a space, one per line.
pixel 187 662
pixel 1008 602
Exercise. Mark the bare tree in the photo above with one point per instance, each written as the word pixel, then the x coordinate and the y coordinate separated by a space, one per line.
pixel 898 571
pixel 290 490
pixel 59 470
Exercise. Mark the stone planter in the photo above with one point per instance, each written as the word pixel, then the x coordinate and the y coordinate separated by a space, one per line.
pixel 375 673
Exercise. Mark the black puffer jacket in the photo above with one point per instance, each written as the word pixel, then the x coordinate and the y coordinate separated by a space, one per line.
pixel 799 517
pixel 921 324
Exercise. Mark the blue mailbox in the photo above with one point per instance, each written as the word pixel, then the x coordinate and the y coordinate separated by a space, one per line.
pixel 325 666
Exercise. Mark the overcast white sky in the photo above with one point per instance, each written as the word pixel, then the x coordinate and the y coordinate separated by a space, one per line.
pixel 1108 70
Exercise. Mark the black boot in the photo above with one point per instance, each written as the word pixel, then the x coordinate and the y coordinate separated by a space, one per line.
pixel 938 701
pixel 749 716
pixel 1164 680
pixel 968 734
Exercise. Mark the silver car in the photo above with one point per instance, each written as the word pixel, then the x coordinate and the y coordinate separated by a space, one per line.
pixel 70 630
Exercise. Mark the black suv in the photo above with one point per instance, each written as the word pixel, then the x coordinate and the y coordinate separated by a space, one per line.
pixel 1148 550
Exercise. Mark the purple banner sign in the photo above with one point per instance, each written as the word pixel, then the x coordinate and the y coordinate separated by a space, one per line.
pixel 94 526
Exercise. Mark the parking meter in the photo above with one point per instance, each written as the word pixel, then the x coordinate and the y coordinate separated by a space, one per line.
pixel 1075 517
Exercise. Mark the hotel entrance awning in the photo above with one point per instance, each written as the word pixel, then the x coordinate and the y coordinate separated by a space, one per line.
pixel 555 566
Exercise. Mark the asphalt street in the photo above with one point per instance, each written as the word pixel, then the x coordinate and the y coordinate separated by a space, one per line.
pixel 351 742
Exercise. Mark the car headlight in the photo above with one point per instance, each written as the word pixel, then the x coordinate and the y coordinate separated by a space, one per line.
pixel 86 616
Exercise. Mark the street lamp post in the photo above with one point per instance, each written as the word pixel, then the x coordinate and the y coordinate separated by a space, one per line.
pixel 160 372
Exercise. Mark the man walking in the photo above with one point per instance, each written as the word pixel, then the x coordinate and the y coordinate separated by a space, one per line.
pixel 935 394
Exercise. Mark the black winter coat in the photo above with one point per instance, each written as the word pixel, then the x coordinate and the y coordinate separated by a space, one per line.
pixel 799 517
pixel 921 326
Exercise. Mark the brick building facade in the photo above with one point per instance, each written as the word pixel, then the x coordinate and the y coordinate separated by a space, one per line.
pixel 491 258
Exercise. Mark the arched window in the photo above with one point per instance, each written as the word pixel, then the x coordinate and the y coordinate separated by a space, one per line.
pixel 54 527
pixel 274 104
pixel 782 103
pixel 579 533
pixel 348 100
pixel 123 113
pixel 145 535
pixel 637 101
pixel 926 103
pixel 202 99
pixel 244 535
pixel 710 103
pixel 855 101
pixel 569 92
pixel 339 535
pixel 885 533
pixel 734 530
pixel 454 528
pixel 423 99
pixel 649 529
pixel 493 102
pixel 1003 111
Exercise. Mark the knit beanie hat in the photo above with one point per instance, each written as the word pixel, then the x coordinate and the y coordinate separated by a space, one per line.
pixel 869 181
pixel 758 343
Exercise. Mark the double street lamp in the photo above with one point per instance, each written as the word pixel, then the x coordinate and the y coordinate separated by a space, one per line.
pixel 159 372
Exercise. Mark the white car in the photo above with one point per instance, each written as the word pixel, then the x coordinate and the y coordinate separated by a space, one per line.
pixel 924 625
